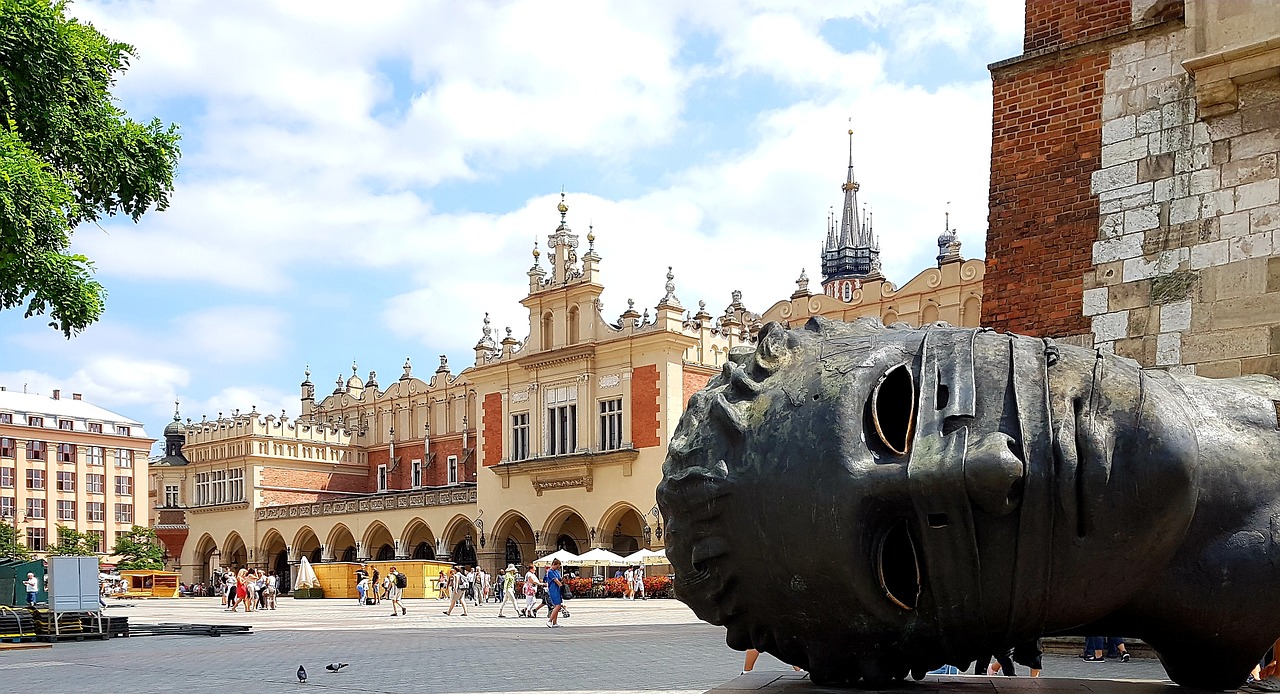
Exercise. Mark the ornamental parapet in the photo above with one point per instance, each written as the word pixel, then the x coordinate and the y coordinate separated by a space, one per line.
pixel 387 501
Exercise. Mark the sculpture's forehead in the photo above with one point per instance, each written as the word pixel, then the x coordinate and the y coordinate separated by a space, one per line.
pixel 846 353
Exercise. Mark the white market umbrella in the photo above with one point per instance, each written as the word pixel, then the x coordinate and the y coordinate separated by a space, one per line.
pixel 600 557
pixel 306 575
pixel 648 557
pixel 566 557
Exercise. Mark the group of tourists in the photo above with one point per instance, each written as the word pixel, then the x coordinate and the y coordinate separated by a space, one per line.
pixel 471 584
pixel 372 588
pixel 634 582
pixel 252 589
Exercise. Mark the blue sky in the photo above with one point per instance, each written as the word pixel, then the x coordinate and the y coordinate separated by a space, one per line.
pixel 365 187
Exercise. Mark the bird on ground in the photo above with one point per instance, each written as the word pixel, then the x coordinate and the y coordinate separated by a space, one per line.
pixel 334 667
pixel 302 675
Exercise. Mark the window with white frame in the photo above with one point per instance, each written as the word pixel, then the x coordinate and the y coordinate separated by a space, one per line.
pixel 66 453
pixel 123 430
pixel 35 421
pixel 7 447
pixel 66 481
pixel 203 493
pixel 235 487
pixel 171 496
pixel 124 485
pixel 382 478
pixel 35 508
pixel 219 487
pixel 124 513
pixel 66 510
pixel 35 478
pixel 453 469
pixel 6 477
pixel 95 427
pixel 416 467
pixel 6 418
pixel 8 507
pixel 95 511
pixel 98 539
pixel 36 450
pixel 520 436
pixel 66 425
pixel 611 424
pixel 93 456
pixel 562 420
pixel 124 457
pixel 37 540
pixel 94 484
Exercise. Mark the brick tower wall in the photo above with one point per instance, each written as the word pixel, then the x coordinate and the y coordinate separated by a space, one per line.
pixel 1046 143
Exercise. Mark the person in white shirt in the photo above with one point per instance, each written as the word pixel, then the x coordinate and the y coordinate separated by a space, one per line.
pixel 629 578
pixel 33 588
pixel 638 575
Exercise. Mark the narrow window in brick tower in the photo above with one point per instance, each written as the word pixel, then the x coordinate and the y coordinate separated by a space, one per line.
pixel 453 469
pixel 382 478
pixel 417 474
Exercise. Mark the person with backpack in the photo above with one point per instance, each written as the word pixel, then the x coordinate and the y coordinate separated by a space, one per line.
pixel 457 591
pixel 397 582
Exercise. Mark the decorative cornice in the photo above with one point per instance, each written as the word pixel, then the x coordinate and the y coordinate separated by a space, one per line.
pixel 567 463
pixel 379 502
pixel 542 485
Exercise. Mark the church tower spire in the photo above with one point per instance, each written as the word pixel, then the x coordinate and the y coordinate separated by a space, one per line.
pixel 855 255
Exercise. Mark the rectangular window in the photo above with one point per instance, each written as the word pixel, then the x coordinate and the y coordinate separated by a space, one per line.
pixel 202 489
pixel 611 424
pixel 562 420
pixel 8 507
pixel 124 457
pixel 124 513
pixel 36 450
pixel 453 469
pixel 36 539
pixel 66 425
pixel 95 428
pixel 6 477
pixel 6 418
pixel 8 448
pixel 35 479
pixel 35 421
pixel 98 539
pixel 236 491
pixel 382 478
pixel 417 474
pixel 94 484
pixel 35 508
pixel 66 510
pixel 95 511
pixel 66 453
pixel 123 430
pixel 93 455
pixel 171 496
pixel 124 486
pixel 520 436
pixel 66 481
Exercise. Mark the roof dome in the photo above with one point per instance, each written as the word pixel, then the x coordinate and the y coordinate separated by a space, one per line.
pixel 354 381
pixel 175 428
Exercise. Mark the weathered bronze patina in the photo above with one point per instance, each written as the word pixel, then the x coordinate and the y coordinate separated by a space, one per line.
pixel 869 502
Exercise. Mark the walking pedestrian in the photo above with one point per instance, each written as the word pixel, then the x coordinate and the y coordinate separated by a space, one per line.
pixel 442 587
pixel 531 585
pixel 508 588
pixel 639 578
pixel 396 583
pixel 628 584
pixel 273 589
pixel 555 599
pixel 458 591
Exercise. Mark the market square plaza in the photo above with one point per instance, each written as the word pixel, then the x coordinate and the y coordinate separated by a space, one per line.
pixel 608 645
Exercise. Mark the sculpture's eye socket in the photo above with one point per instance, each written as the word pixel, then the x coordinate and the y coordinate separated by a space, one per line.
pixel 898 568
pixel 893 409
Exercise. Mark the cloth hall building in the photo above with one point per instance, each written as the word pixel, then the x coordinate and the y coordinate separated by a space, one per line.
pixel 552 441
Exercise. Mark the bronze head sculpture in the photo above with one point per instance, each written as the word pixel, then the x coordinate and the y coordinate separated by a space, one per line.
pixel 869 502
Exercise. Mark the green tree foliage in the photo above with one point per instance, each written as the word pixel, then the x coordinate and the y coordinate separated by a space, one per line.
pixel 139 549
pixel 67 155
pixel 72 543
pixel 9 549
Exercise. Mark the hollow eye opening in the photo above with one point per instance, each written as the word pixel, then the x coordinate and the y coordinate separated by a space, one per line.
pixel 893 409
pixel 898 567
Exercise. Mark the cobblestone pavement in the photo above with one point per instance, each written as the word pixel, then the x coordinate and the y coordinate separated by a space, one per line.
pixel 606 646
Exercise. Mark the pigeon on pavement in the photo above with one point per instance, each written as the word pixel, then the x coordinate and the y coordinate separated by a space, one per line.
pixel 334 667
pixel 302 675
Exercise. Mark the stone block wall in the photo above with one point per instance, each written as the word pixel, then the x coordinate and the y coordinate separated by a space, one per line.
pixel 1186 265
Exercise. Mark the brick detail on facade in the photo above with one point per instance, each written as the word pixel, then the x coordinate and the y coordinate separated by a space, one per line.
pixel 437 474
pixel 173 538
pixel 1046 141
pixel 1054 23
pixel 645 408
pixel 402 476
pixel 694 381
pixel 491 415
pixel 308 480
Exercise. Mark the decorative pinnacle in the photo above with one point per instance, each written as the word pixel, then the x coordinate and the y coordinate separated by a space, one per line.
pixel 306 372
pixel 175 411
pixel 508 331
pixel 536 252
pixel 591 237
pixel 407 367
pixel 486 329
pixel 562 207
pixel 354 368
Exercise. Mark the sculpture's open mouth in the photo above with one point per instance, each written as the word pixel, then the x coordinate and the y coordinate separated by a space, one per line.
pixel 898 566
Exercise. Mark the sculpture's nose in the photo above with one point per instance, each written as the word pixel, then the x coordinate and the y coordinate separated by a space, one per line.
pixel 993 474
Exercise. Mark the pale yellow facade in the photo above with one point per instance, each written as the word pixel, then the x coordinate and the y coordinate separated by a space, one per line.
pixel 553 441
